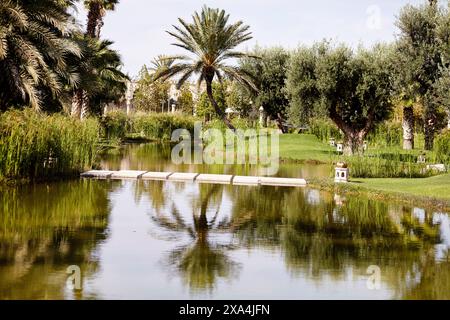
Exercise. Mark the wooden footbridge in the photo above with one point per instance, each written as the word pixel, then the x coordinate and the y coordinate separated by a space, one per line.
pixel 194 177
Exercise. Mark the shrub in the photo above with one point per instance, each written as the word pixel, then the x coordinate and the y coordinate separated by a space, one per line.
pixel 159 126
pixel 386 134
pixel 324 130
pixel 442 147
pixel 378 167
pixel 115 125
pixel 34 146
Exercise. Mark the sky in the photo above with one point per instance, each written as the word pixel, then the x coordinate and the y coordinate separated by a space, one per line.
pixel 138 27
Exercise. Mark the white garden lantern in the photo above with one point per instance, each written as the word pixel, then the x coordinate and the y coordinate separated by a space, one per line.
pixel 340 147
pixel 365 145
pixel 422 158
pixel 341 172
pixel 332 142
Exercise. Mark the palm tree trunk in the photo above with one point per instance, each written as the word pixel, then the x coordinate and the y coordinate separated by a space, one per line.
pixel 77 102
pixel 408 128
pixel 448 118
pixel 220 112
pixel 429 128
pixel 94 19
pixel 80 104
pixel 84 106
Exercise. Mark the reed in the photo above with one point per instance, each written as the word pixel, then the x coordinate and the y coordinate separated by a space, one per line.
pixel 159 126
pixel 381 166
pixel 325 130
pixel 37 146
pixel 151 126
pixel 442 147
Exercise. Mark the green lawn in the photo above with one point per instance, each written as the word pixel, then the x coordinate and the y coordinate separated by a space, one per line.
pixel 434 187
pixel 305 147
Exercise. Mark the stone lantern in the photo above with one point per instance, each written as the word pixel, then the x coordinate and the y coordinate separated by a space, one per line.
pixel 262 117
pixel 422 158
pixel 332 142
pixel 341 172
pixel 340 147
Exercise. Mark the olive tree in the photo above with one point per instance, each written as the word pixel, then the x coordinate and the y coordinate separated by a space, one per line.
pixel 352 88
pixel 270 72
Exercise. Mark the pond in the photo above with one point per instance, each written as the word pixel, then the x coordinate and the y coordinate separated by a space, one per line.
pixel 166 240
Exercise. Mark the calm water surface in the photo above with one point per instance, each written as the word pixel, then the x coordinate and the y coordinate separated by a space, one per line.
pixel 165 240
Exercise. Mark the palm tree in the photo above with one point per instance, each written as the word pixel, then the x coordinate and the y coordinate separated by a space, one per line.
pixel 96 11
pixel 161 63
pixel 101 80
pixel 211 40
pixel 34 45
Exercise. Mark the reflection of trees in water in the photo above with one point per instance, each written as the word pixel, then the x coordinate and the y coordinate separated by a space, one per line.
pixel 203 261
pixel 325 238
pixel 45 228
pixel 320 236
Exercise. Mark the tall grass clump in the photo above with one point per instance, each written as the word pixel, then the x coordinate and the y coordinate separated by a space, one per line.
pixel 38 146
pixel 238 123
pixel 442 147
pixel 378 167
pixel 325 130
pixel 151 126
pixel 386 134
pixel 159 126
pixel 115 125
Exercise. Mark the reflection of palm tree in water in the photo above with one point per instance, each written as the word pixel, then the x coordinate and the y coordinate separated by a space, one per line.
pixel 201 262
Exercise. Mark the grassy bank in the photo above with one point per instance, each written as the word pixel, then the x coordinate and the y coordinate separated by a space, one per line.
pixel 434 189
pixel 398 190
pixel 305 148
pixel 36 146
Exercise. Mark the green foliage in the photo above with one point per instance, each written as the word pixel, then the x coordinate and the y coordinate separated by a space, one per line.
pixel 386 134
pixel 205 109
pixel 152 126
pixel 442 147
pixel 238 123
pixel 150 95
pixel 324 130
pixel 301 85
pixel 35 146
pixel 100 74
pixel 422 58
pixel 379 167
pixel 159 126
pixel 211 40
pixel 34 45
pixel 270 71
pixel 185 101
pixel 115 125
pixel 353 89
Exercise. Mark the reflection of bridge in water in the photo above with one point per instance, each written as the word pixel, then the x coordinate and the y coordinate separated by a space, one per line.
pixel 195 177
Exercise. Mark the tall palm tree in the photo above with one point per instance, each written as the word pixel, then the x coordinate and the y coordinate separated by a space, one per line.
pixel 211 40
pixel 96 11
pixel 161 63
pixel 34 45
pixel 101 80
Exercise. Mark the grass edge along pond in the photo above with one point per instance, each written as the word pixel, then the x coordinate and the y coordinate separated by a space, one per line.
pixel 307 148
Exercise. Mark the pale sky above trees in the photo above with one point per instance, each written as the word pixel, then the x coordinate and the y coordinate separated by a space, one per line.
pixel 138 26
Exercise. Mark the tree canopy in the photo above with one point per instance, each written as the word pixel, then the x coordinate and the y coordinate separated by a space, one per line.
pixel 352 88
